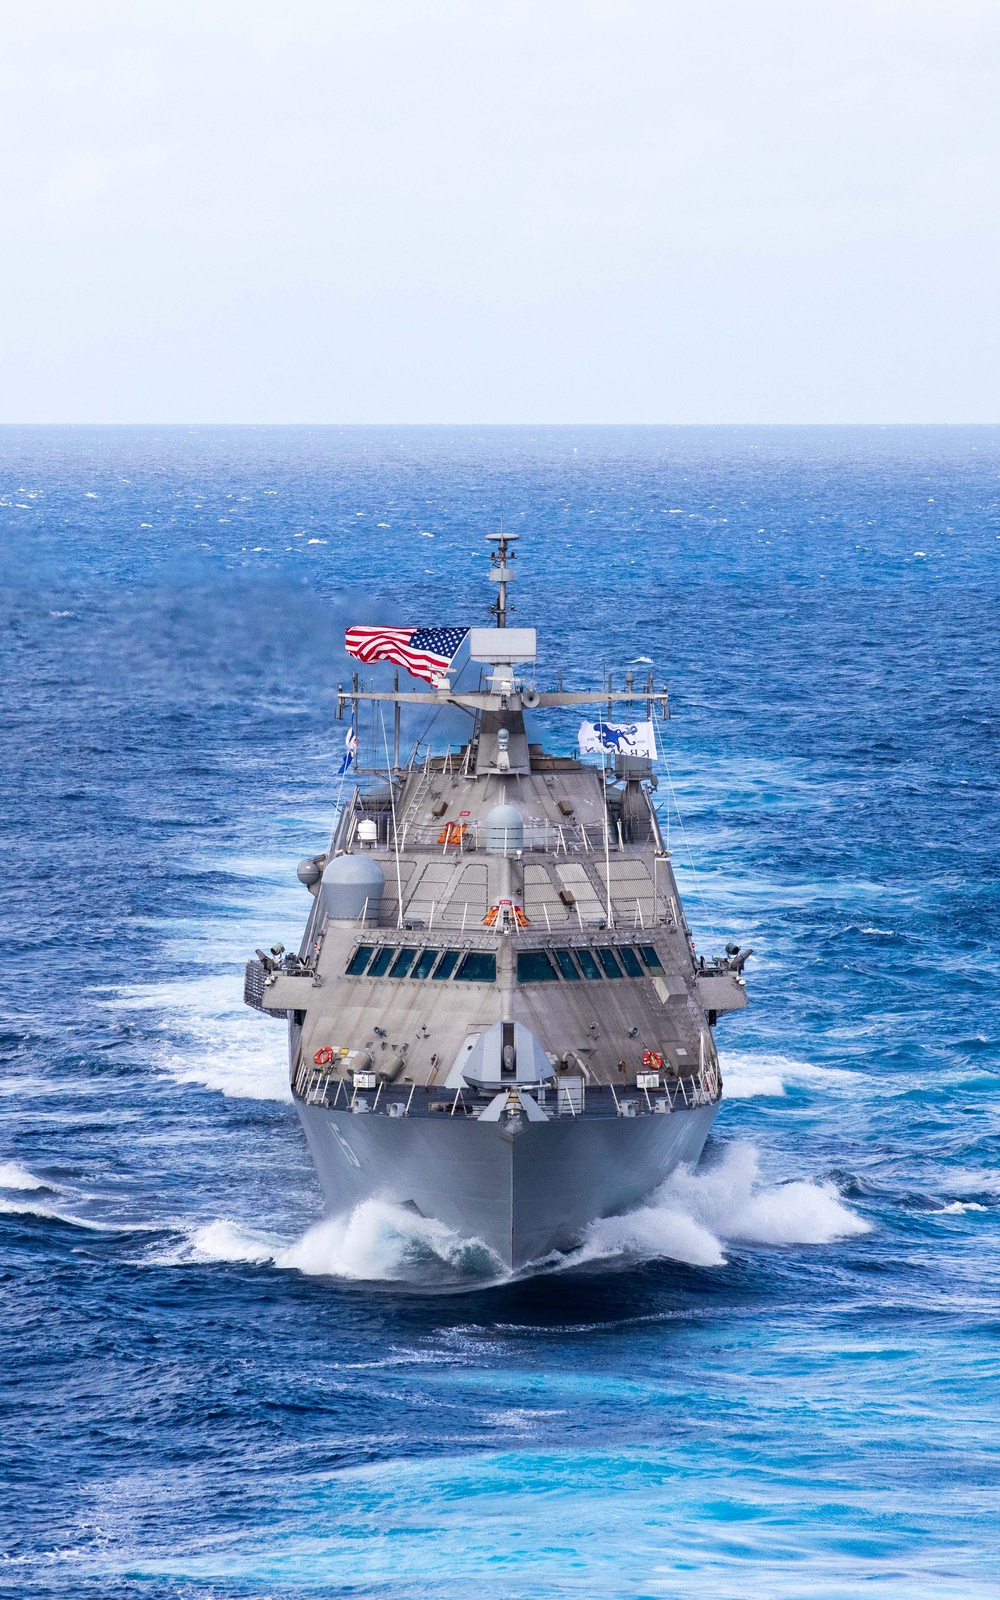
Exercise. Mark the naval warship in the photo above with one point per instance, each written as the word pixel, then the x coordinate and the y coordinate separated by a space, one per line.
pixel 496 1016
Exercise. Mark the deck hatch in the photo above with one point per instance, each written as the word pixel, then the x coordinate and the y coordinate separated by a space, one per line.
pixel 534 966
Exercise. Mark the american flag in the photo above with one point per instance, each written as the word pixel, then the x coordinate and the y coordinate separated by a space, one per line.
pixel 425 652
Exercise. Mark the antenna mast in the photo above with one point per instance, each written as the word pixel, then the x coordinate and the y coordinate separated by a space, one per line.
pixel 502 572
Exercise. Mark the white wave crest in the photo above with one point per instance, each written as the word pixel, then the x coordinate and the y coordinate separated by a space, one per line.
pixel 746 1074
pixel 694 1214
pixel 227 1241
pixel 14 1176
pixel 25 1208
pixel 378 1241
pixel 655 1231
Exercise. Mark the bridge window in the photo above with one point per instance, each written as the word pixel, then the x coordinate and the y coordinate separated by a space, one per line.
pixel 425 962
pixel 380 965
pixel 359 960
pixel 651 958
pixel 608 962
pixel 567 966
pixel 446 965
pixel 630 961
pixel 534 966
pixel 588 965
pixel 401 966
pixel 478 966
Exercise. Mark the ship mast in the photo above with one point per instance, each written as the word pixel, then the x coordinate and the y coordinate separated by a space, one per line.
pixel 502 573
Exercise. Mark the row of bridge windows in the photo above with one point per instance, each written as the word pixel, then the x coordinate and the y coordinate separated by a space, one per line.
pixel 480 966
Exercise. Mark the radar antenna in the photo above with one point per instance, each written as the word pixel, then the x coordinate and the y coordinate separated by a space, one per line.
pixel 502 572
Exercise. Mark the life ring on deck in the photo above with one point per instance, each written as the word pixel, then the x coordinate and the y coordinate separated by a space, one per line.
pixel 323 1056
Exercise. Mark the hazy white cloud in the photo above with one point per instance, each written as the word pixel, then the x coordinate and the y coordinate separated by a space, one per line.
pixel 439 210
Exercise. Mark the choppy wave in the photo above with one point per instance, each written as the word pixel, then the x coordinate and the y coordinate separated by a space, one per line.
pixel 48 1213
pixel 748 1073
pixel 14 1176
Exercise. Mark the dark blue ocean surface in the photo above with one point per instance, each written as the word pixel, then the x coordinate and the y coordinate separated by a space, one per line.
pixel 779 1379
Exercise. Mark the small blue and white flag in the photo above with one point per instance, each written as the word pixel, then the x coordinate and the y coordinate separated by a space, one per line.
pixel 351 750
pixel 623 738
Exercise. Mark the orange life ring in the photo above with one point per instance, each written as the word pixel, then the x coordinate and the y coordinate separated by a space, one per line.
pixel 323 1056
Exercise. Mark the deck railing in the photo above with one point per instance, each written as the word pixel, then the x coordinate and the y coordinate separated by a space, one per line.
pixel 322 1086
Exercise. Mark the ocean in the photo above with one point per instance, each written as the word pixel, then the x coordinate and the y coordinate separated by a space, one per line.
pixel 776 1380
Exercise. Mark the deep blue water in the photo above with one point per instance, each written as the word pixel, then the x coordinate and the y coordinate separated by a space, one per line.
pixel 780 1378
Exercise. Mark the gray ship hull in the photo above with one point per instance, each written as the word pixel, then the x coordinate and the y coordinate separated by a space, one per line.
pixel 524 1192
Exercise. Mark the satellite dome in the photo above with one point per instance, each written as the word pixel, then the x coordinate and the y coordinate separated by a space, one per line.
pixel 504 831
pixel 349 882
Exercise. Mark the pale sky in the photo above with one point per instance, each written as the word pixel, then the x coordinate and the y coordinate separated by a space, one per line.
pixel 475 211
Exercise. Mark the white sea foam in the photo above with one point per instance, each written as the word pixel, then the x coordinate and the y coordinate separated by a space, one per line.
pixel 972 1180
pixel 14 1176
pixel 694 1214
pixel 746 1073
pixel 209 1036
pixel 959 1207
pixel 227 1241
pixel 658 1230
pixel 378 1241
pixel 213 1039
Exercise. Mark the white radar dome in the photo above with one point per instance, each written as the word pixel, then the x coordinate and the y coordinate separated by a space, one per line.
pixel 504 831
pixel 349 884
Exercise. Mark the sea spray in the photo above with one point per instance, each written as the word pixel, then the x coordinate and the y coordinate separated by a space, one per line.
pixel 694 1214
pixel 376 1242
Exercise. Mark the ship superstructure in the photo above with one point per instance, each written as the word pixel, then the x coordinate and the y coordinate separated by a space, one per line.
pixel 496 1015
